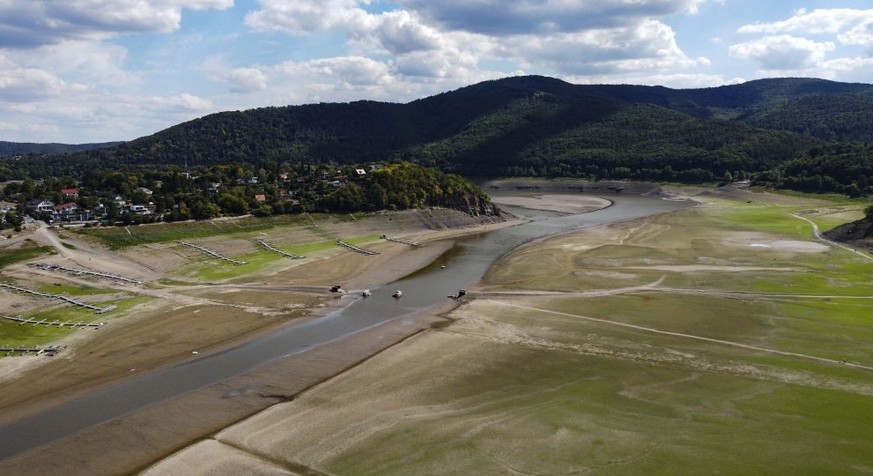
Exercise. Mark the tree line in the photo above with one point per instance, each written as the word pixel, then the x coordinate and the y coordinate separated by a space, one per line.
pixel 171 194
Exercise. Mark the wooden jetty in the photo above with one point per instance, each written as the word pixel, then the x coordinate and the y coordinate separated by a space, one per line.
pixel 399 240
pixel 56 323
pixel 212 253
pixel 274 250
pixel 96 309
pixel 38 350
pixel 355 248
pixel 84 272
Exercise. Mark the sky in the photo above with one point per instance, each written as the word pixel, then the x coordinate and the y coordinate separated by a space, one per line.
pixel 80 71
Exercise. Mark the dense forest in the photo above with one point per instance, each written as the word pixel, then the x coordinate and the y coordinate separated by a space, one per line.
pixel 807 134
pixel 26 148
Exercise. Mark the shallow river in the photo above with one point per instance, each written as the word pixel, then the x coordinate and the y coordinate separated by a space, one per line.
pixel 463 265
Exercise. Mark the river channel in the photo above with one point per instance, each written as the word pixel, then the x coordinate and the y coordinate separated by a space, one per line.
pixel 461 266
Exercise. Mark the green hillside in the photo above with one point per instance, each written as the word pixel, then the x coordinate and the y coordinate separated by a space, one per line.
pixel 528 125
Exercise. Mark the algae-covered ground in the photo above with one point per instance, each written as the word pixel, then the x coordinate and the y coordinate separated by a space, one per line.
pixel 723 339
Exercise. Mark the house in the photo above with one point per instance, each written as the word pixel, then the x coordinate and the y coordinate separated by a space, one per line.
pixel 70 193
pixel 360 172
pixel 260 198
pixel 140 209
pixel 145 191
pixel 69 212
pixel 65 209
pixel 39 205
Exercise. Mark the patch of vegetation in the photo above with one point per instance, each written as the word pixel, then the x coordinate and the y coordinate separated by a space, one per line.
pixel 74 290
pixel 15 334
pixel 715 286
pixel 122 237
pixel 28 252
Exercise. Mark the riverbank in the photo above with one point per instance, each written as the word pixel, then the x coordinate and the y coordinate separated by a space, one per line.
pixel 629 348
pixel 181 322
pixel 147 434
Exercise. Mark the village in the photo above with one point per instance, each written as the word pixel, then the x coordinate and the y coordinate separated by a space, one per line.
pixel 172 195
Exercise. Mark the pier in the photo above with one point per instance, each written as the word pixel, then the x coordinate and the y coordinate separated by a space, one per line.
pixel 37 350
pixel 356 249
pixel 84 272
pixel 45 322
pixel 399 240
pixel 212 253
pixel 278 251
pixel 96 309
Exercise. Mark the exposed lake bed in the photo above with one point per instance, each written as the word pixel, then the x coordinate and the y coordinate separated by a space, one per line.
pixel 516 379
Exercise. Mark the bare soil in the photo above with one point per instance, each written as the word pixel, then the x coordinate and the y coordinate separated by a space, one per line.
pixel 180 319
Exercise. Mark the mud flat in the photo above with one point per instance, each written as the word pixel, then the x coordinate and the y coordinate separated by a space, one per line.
pixel 187 309
pixel 649 356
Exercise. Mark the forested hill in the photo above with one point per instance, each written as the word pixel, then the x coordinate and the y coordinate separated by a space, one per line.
pixel 25 148
pixel 524 126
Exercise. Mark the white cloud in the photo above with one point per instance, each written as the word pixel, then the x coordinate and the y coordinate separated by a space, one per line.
pixel 848 69
pixel 789 54
pixel 817 22
pixel 644 46
pixel 247 80
pixel 514 17
pixel 30 84
pixel 424 42
pixel 783 52
pixel 861 34
pixel 184 102
pixel 32 23
pixel 345 72
pixel 302 16
pixel 99 64
pixel 397 32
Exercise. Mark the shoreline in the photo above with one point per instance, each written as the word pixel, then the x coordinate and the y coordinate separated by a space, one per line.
pixel 370 273
pixel 301 370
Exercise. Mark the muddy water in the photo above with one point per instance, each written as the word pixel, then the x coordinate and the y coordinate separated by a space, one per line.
pixel 462 266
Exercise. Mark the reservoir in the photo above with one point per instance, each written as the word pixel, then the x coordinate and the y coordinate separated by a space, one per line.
pixel 464 264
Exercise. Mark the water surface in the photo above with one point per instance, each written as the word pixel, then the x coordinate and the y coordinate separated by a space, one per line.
pixel 463 265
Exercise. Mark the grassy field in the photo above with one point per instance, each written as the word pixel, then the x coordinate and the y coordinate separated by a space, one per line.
pixel 718 340
pixel 212 270
pixel 29 251
pixel 14 333
pixel 122 237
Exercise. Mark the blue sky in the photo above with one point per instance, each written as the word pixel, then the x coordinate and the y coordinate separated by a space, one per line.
pixel 78 71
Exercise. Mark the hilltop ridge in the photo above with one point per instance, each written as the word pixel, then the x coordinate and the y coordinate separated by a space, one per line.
pixel 527 126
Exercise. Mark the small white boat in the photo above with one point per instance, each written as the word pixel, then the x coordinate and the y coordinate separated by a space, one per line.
pixel 397 294
pixel 366 293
